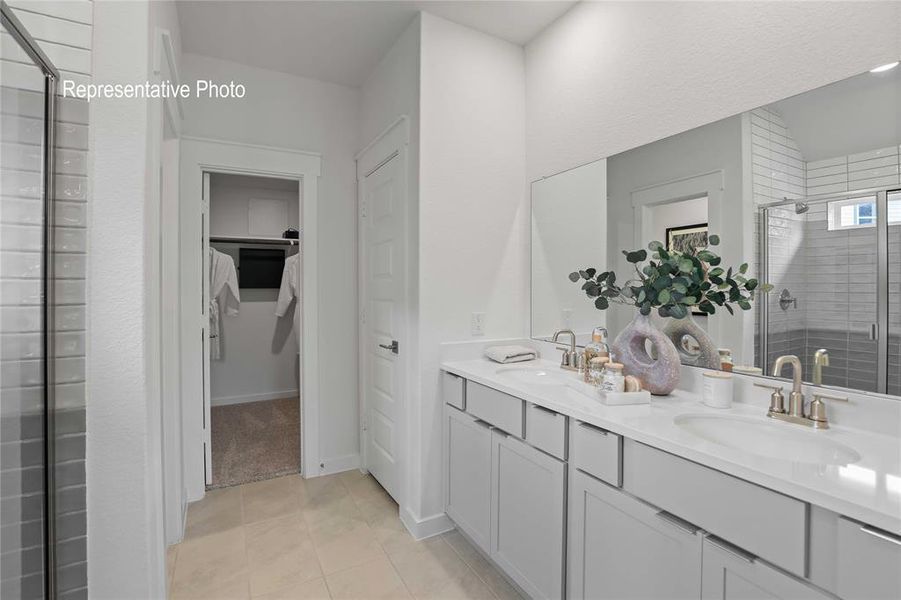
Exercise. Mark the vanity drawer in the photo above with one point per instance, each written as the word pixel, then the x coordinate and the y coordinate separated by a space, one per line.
pixel 453 390
pixel 546 430
pixel 867 562
pixel 496 408
pixel 763 522
pixel 597 452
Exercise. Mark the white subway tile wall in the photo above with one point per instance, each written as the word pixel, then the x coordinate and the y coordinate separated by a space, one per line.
pixel 832 274
pixel 63 30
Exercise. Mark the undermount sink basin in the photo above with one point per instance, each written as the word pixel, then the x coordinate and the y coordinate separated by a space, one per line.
pixel 783 441
pixel 531 376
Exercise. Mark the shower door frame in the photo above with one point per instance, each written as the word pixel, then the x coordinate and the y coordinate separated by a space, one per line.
pixel 879 331
pixel 51 79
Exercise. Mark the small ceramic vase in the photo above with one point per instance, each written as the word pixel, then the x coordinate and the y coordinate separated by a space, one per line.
pixel 658 375
pixel 694 346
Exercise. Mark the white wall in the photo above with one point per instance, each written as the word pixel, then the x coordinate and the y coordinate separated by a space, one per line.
pixel 258 359
pixel 568 233
pixel 611 76
pixel 292 112
pixel 677 214
pixel 473 250
pixel 123 417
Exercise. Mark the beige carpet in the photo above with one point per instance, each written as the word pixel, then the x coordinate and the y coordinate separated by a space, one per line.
pixel 254 441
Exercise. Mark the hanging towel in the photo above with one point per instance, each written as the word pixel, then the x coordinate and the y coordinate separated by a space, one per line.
pixel 289 291
pixel 224 295
pixel 510 354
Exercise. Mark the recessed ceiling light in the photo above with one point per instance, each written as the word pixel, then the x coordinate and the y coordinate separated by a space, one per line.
pixel 884 68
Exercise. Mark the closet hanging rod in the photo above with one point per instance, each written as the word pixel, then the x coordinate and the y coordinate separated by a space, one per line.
pixel 235 239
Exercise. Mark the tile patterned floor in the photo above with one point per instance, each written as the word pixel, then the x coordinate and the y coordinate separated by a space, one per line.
pixel 330 537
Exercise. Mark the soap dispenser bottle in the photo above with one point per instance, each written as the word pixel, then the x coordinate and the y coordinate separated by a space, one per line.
pixel 597 347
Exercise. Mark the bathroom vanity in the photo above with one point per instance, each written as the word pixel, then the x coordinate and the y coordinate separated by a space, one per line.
pixel 572 498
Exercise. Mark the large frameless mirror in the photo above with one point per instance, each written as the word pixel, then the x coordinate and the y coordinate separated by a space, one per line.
pixel 805 191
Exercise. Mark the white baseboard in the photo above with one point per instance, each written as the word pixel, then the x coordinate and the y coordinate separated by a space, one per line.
pixel 421 529
pixel 278 395
pixel 337 465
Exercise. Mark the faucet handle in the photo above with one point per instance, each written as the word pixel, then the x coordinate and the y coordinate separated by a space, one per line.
pixel 775 388
pixel 828 397
pixel 777 400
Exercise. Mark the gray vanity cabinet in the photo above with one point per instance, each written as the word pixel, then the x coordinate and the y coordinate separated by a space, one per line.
pixel 868 562
pixel 620 547
pixel 527 515
pixel 732 574
pixel 468 476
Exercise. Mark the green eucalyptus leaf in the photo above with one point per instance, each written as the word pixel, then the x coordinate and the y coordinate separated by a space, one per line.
pixel 744 304
pixel 689 300
pixel 641 296
pixel 663 297
pixel 591 272
pixel 713 240
pixel 574 276
pixel 729 308
pixel 655 246
pixel 743 268
pixel 645 309
pixel 751 284
pixel 685 265
pixel 678 311
pixel 715 261
pixel 601 303
pixel 637 256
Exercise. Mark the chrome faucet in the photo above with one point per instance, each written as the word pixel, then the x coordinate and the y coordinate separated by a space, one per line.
pixel 820 360
pixel 796 398
pixel 817 416
pixel 570 359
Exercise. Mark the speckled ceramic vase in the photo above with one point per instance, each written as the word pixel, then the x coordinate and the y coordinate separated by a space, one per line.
pixel 658 375
pixel 694 346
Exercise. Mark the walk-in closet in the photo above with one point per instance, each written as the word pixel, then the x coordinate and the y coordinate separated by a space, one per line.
pixel 254 333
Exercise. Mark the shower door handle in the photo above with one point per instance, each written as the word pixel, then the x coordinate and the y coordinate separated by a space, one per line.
pixel 874 332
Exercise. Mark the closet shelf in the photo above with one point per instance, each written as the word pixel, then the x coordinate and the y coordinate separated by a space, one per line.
pixel 237 239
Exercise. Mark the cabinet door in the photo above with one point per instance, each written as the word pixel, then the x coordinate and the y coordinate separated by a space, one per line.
pixel 527 520
pixel 620 547
pixel 731 574
pixel 468 477
pixel 869 562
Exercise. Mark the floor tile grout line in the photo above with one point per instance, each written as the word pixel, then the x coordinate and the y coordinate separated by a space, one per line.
pixel 469 566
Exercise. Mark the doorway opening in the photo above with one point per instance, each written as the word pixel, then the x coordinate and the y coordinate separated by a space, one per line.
pixel 254 336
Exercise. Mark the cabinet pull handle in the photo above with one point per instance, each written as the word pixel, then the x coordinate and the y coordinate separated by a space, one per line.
pixel 454 375
pixel 677 522
pixel 594 428
pixel 881 535
pixel 545 410
pixel 482 423
pixel 501 432
pixel 730 549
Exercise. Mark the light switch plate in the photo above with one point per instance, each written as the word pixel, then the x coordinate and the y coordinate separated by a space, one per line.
pixel 477 323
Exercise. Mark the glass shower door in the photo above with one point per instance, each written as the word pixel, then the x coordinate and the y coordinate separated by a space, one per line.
pixel 893 285
pixel 27 84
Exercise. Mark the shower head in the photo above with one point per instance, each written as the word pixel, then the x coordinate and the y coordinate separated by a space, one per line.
pixel 801 208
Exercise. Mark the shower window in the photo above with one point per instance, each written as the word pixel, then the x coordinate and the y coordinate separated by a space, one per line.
pixel 860 212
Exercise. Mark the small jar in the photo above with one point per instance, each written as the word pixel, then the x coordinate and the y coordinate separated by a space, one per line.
pixel 596 370
pixel 726 359
pixel 613 380
pixel 718 389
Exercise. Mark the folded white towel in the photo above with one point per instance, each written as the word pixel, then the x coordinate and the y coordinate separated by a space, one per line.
pixel 510 354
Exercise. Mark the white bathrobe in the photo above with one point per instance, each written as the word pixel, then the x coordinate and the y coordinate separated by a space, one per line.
pixel 224 294
pixel 290 290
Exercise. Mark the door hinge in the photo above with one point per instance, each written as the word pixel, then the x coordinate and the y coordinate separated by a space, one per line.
pixel 363 209
pixel 363 317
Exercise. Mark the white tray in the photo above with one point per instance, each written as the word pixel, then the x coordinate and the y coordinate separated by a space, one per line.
pixel 623 398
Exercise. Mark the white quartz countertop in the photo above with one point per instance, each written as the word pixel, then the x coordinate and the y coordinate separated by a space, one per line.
pixel 868 490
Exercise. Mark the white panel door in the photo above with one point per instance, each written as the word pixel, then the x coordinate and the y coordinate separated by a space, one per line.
pixel 205 328
pixel 382 193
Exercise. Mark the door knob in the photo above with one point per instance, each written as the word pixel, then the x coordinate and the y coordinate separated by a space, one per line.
pixel 393 346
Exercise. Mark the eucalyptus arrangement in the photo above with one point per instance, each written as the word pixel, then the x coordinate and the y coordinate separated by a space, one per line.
pixel 673 282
